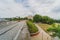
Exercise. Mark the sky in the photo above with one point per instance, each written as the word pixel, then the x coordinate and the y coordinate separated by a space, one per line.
pixel 22 8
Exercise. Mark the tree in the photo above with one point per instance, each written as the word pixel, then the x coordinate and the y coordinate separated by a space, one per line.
pixel 25 18
pixel 14 19
pixel 18 18
pixel 10 19
pixel 37 18
pixel 48 20
pixel 45 19
pixel 58 21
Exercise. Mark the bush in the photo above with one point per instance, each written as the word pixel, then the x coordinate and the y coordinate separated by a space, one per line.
pixel 30 20
pixel 31 27
pixel 55 30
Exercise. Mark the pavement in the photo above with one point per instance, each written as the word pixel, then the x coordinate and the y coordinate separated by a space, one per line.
pixel 10 33
pixel 37 37
pixel 6 24
pixel 42 35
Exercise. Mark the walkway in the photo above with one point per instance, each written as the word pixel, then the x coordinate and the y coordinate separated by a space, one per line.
pixel 42 35
pixel 16 31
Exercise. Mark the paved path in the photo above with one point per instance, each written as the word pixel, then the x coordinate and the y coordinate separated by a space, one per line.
pixel 24 33
pixel 11 33
pixel 42 35
pixel 6 24
pixel 37 37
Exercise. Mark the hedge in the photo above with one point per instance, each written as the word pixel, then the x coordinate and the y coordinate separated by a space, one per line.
pixel 31 27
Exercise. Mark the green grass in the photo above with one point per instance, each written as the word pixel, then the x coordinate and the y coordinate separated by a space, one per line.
pixel 44 26
pixel 31 27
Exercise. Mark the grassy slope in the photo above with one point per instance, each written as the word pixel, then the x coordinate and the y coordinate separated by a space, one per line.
pixel 44 26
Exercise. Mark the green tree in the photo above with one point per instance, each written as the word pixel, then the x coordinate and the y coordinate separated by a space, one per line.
pixel 10 19
pixel 45 19
pixel 48 20
pixel 14 19
pixel 37 18
pixel 18 18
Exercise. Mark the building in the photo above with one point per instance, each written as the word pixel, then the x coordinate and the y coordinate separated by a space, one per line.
pixel 3 19
pixel 30 17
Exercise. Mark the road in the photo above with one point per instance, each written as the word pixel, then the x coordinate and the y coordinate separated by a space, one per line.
pixel 10 32
pixel 5 24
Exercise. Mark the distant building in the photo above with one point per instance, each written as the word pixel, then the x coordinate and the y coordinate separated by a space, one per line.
pixel 30 17
pixel 3 19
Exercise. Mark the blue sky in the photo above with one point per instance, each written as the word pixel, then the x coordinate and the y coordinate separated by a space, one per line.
pixel 12 8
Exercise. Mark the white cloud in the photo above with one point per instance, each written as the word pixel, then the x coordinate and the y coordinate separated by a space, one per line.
pixel 46 7
pixel 27 7
pixel 9 8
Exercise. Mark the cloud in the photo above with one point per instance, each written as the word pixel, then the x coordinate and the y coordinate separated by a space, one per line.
pixel 10 8
pixel 56 8
pixel 44 7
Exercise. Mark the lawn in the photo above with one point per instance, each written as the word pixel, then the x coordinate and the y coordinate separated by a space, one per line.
pixel 44 26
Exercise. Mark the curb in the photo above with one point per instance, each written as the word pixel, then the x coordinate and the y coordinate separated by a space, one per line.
pixel 34 34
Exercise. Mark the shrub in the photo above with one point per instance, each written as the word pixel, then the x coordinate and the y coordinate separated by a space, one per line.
pixel 31 27
pixel 30 20
pixel 55 30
